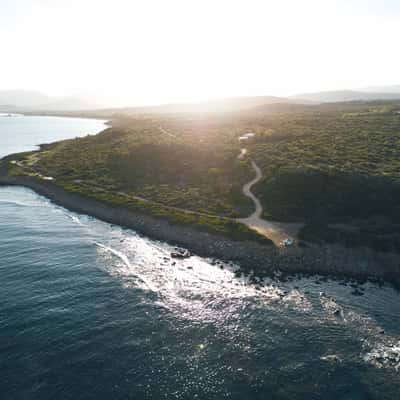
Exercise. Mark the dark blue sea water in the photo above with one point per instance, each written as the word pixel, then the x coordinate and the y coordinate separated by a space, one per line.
pixel 89 310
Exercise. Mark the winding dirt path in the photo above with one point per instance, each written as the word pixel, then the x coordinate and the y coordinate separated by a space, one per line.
pixel 276 231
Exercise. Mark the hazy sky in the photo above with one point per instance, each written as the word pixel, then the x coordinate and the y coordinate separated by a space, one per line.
pixel 154 51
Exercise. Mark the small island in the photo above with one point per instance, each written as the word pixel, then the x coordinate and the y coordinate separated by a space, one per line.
pixel 283 187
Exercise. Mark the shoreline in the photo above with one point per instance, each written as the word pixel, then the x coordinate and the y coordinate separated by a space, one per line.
pixel 253 258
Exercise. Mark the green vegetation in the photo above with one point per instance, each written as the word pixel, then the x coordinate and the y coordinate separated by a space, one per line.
pixel 335 167
pixel 178 165
pixel 340 174
pixel 208 223
pixel 151 172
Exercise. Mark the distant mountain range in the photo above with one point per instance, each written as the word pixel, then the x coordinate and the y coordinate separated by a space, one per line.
pixel 349 95
pixel 219 105
pixel 26 100
pixel 33 101
pixel 302 101
pixel 382 89
pixel 22 98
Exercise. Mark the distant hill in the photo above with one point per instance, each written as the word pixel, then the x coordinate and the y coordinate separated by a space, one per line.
pixel 22 98
pixel 33 101
pixel 29 101
pixel 345 95
pixel 25 100
pixel 72 103
pixel 382 89
pixel 219 105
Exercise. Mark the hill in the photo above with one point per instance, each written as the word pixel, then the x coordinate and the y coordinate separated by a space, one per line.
pixel 211 106
pixel 23 100
pixel 333 166
pixel 382 89
pixel 344 96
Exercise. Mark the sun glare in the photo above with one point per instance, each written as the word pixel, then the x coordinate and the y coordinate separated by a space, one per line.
pixel 155 51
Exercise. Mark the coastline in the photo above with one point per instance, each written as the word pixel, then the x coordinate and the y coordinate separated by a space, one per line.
pixel 254 258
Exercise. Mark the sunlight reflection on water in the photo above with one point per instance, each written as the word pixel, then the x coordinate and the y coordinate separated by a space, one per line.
pixel 190 324
pixel 197 290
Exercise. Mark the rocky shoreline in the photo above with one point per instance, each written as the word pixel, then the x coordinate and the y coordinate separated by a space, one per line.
pixel 258 259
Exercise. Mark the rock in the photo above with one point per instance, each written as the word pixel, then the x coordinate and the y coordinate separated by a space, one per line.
pixel 181 253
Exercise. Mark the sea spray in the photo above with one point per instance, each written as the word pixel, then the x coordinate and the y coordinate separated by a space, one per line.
pixel 126 261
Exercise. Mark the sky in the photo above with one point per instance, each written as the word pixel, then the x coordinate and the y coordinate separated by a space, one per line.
pixel 161 51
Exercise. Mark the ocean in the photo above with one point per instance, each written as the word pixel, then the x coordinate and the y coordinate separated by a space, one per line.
pixel 90 310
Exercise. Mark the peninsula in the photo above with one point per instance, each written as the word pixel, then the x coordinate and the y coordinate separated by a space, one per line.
pixel 288 187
